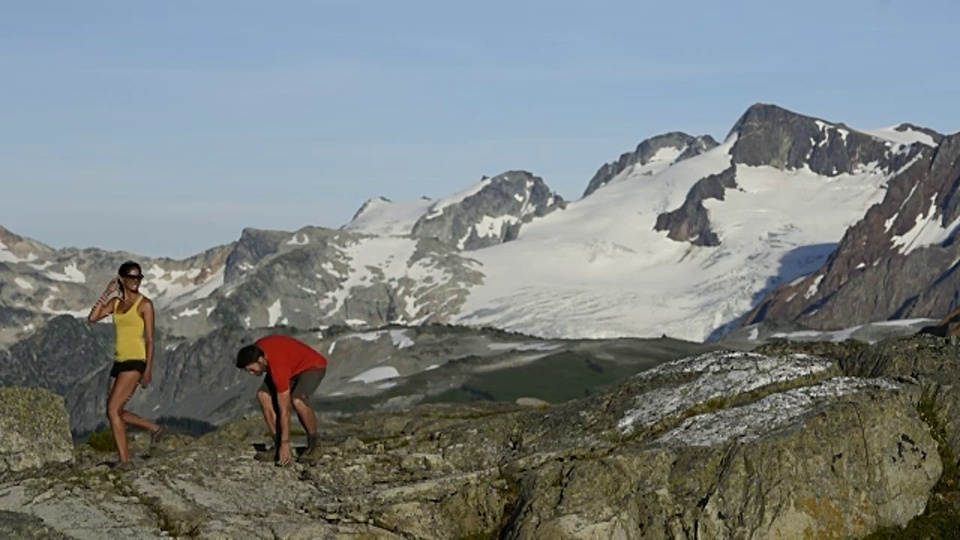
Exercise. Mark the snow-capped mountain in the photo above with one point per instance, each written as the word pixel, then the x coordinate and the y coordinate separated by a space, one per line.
pixel 688 251
pixel 683 237
pixel 900 260
pixel 486 213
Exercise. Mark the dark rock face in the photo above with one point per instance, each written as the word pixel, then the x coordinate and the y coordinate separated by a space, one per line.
pixel 691 222
pixel 686 145
pixel 773 136
pixel 491 214
pixel 897 262
pixel 58 356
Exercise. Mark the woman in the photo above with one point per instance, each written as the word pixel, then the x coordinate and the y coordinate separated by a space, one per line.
pixel 133 318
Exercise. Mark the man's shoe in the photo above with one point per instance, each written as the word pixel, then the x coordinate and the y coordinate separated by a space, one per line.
pixel 311 454
pixel 270 454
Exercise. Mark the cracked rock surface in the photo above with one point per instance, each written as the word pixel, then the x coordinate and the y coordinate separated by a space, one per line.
pixel 721 445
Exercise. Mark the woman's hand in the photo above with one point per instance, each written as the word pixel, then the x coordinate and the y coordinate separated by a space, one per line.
pixel 113 286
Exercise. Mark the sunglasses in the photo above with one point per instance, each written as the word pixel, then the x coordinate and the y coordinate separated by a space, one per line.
pixel 133 277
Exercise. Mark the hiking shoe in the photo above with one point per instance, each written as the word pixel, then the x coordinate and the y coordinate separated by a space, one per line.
pixel 158 435
pixel 269 454
pixel 122 466
pixel 311 454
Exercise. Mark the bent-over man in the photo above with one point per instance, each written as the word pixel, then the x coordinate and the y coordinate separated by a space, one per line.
pixel 294 371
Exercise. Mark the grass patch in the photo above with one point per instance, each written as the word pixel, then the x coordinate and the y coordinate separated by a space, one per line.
pixel 102 441
pixel 564 377
pixel 941 519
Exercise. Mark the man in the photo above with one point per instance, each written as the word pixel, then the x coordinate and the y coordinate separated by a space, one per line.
pixel 294 371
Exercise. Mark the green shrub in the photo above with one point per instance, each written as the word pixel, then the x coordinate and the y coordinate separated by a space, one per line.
pixel 102 441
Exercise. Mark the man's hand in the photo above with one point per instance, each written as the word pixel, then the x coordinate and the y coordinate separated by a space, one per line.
pixel 285 457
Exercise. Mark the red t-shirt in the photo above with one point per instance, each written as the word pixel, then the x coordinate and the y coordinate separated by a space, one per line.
pixel 287 358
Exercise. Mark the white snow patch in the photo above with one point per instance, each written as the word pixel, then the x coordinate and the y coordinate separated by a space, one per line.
pixel 376 374
pixel 45 308
pixel 179 287
pixel 813 287
pixel 190 312
pixel 492 226
pixel 298 239
pixel 384 218
pixel 70 274
pixel 907 137
pixel 401 339
pixel 7 256
pixel 274 313
pixel 368 336
pixel 23 284
pixel 926 231
pixel 436 209
pixel 432 367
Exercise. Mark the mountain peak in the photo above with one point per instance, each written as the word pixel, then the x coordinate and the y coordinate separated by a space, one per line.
pixel 652 155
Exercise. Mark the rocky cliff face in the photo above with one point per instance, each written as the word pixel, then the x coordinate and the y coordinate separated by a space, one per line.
pixel 897 262
pixel 721 445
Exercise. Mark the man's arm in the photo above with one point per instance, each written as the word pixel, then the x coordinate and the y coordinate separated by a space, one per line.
pixel 283 401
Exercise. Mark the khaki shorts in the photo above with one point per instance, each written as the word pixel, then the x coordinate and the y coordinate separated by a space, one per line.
pixel 302 385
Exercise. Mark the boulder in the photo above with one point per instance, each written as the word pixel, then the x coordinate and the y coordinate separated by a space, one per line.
pixel 34 429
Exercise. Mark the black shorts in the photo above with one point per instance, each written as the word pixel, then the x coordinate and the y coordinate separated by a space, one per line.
pixel 128 365
pixel 302 385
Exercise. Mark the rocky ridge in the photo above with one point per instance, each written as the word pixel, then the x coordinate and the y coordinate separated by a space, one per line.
pixel 778 444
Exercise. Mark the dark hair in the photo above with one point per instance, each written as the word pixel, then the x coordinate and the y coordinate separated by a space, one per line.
pixel 248 355
pixel 126 267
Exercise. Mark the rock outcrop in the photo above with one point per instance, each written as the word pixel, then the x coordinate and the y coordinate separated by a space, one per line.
pixel 34 429
pixel 720 445
pixel 488 213
pixel 651 155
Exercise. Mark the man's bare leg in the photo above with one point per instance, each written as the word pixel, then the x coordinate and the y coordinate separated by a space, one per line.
pixel 307 418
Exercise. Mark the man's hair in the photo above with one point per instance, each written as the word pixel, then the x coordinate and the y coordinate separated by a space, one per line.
pixel 248 355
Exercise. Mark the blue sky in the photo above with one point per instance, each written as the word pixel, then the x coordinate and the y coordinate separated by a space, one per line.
pixel 164 128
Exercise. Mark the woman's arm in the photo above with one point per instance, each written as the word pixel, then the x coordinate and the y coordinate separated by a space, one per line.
pixel 104 306
pixel 146 311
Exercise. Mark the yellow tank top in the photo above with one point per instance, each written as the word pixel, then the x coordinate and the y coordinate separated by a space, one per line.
pixel 129 325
